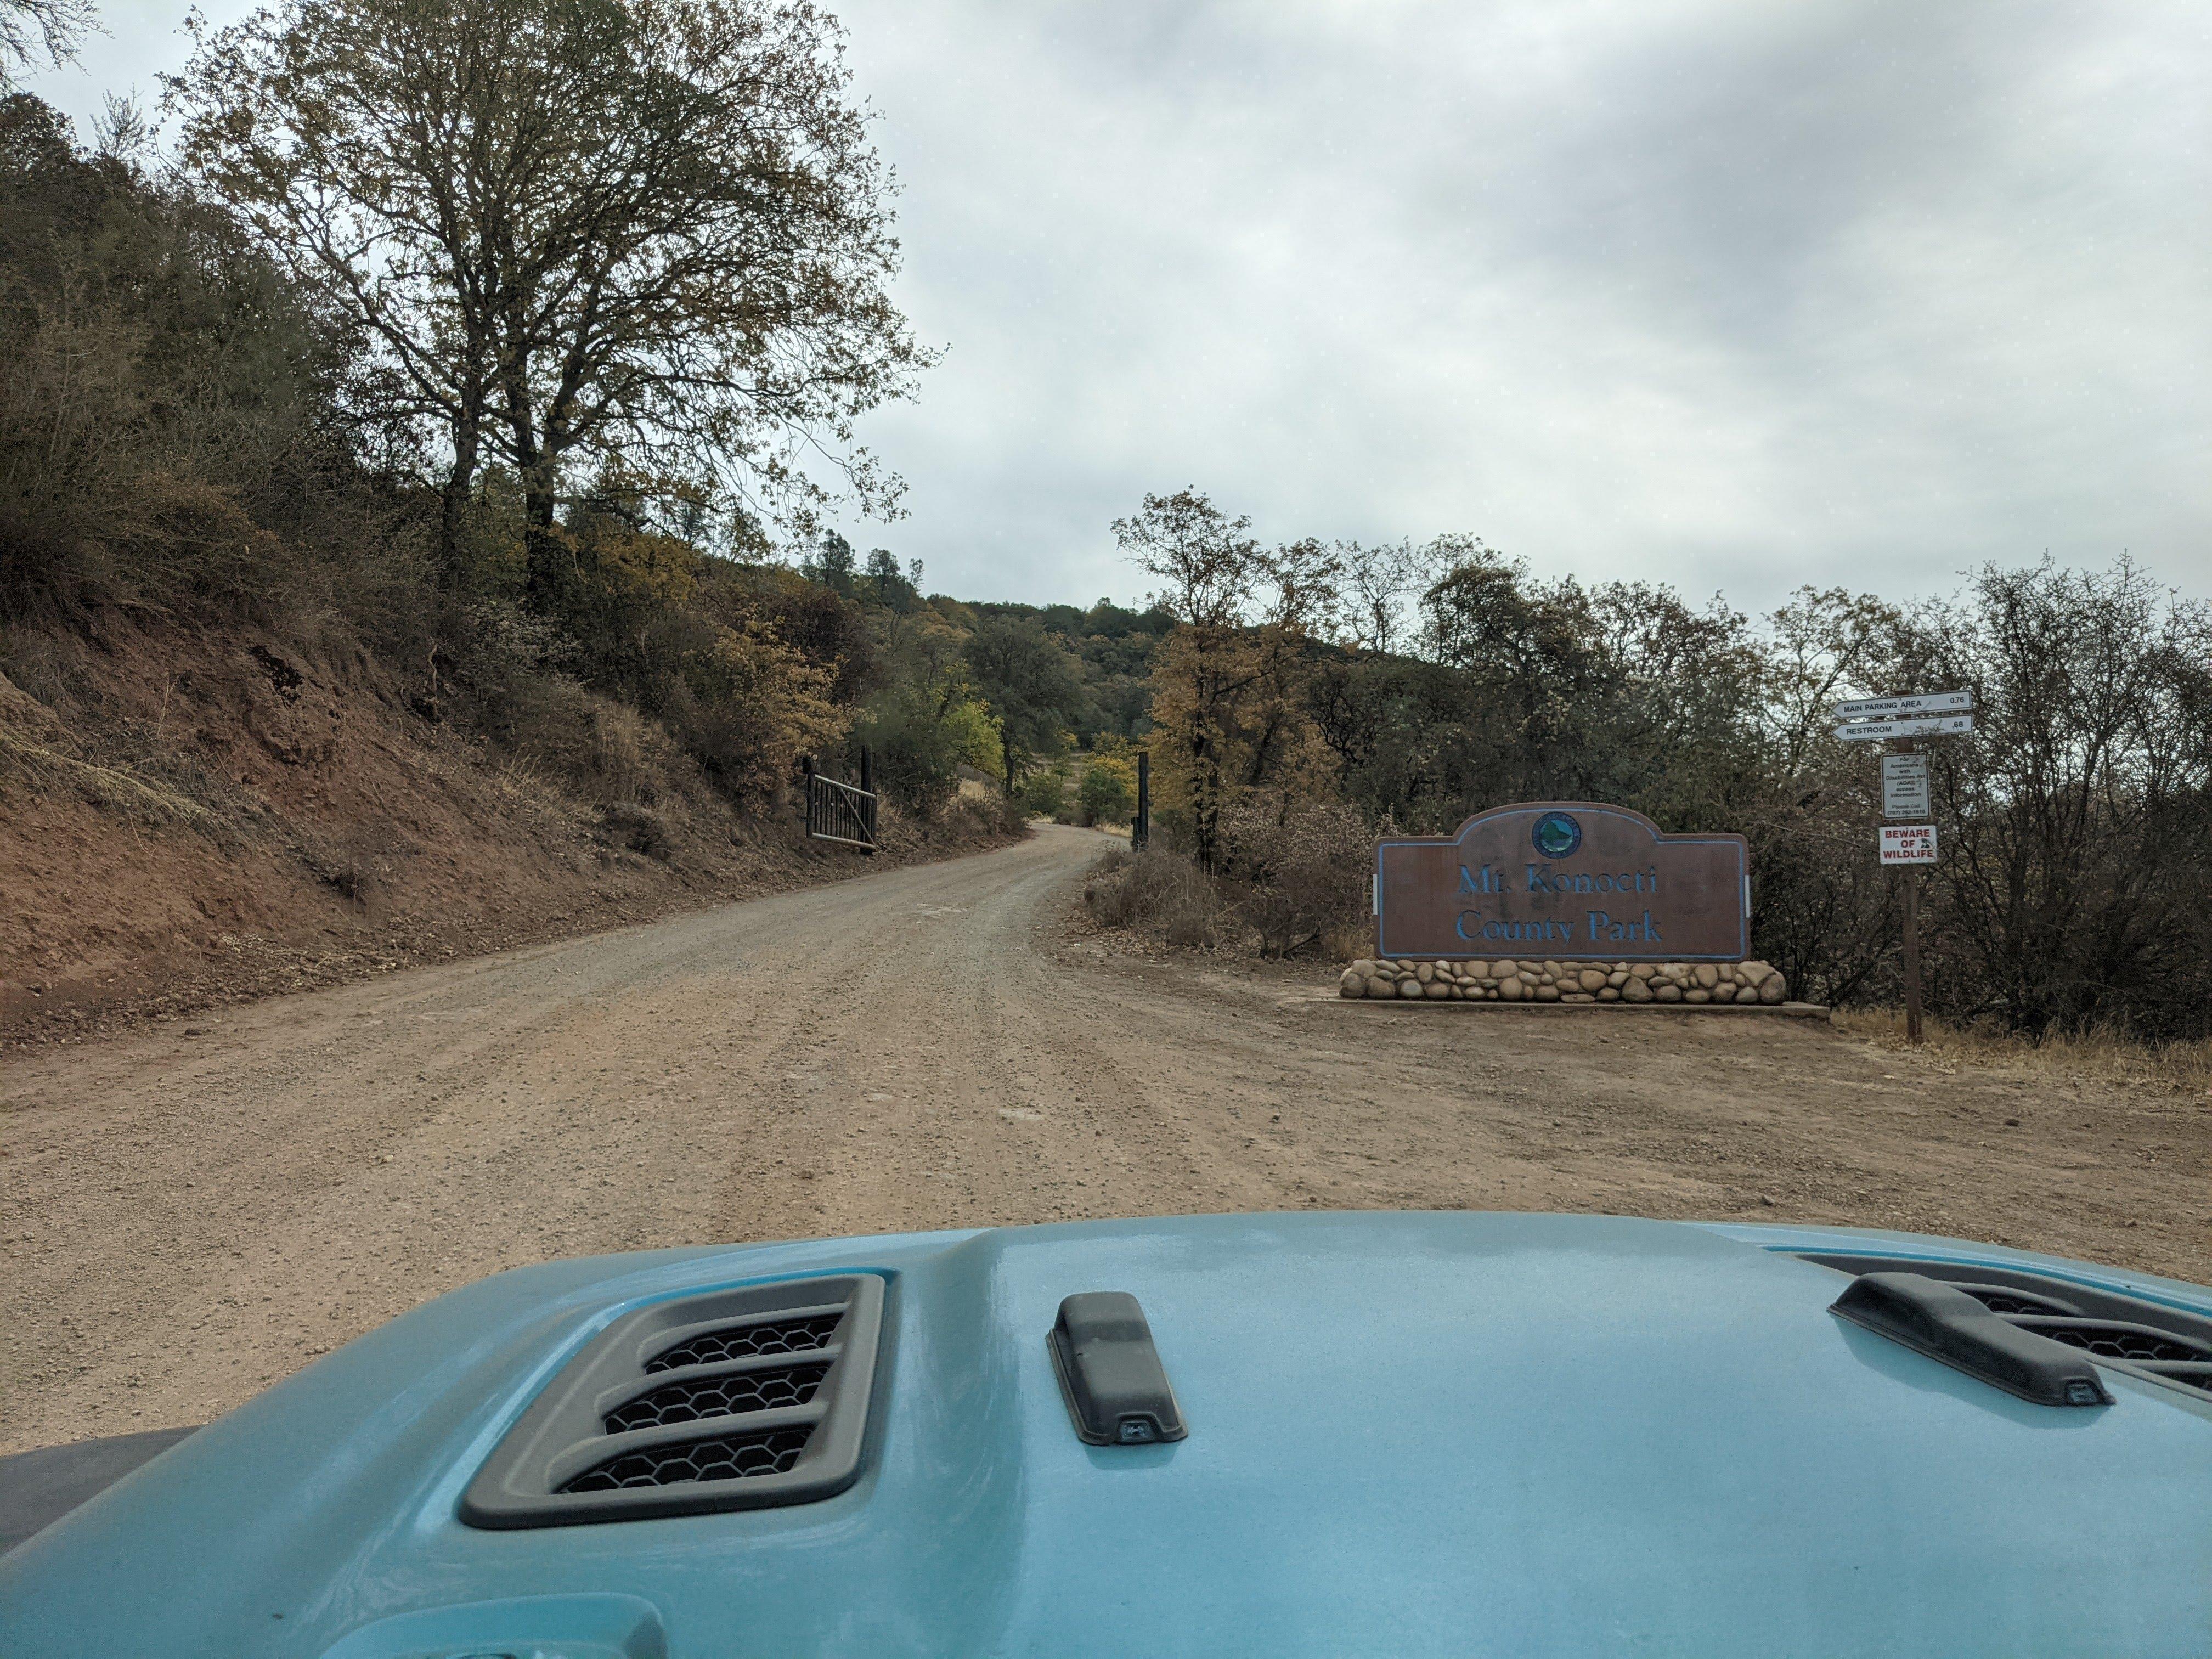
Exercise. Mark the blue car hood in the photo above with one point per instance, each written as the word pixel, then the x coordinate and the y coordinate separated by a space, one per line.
pixel 1465 1434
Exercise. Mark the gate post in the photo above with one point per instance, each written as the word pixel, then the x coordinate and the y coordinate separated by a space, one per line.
pixel 1140 832
pixel 806 784
pixel 868 786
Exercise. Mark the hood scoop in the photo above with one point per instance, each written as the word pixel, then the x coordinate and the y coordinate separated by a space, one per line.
pixel 740 1399
pixel 1945 1323
pixel 2030 1328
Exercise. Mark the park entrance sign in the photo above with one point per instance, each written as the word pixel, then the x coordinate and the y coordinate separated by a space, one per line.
pixel 1568 881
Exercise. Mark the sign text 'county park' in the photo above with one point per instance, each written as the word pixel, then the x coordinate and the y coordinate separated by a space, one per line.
pixel 1571 880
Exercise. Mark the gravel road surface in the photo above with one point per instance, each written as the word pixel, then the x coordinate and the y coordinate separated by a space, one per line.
pixel 192 1211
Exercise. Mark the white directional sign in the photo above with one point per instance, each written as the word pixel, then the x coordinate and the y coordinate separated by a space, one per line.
pixel 1921 726
pixel 1908 843
pixel 1904 786
pixel 1931 703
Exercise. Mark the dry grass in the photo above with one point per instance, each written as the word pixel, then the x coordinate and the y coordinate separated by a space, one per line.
pixel 135 797
pixel 1157 892
pixel 1347 941
pixel 2095 1056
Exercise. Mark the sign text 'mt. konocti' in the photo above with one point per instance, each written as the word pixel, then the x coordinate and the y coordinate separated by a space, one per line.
pixel 1574 880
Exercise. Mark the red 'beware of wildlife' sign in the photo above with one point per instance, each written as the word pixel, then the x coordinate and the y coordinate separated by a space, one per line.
pixel 1575 881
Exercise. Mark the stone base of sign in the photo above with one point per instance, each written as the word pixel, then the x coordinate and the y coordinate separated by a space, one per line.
pixel 1818 1010
pixel 1643 984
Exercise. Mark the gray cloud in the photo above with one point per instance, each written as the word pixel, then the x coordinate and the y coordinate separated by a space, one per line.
pixel 1736 293
pixel 1728 292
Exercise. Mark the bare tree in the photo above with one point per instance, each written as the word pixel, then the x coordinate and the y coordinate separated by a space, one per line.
pixel 647 236
pixel 1377 583
pixel 1382 584
pixel 31 30
pixel 1206 561
pixel 1305 581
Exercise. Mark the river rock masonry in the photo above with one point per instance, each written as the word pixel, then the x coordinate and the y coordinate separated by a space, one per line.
pixel 1699 982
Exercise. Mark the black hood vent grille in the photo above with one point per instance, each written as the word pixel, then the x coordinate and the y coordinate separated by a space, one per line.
pixel 726 1395
pixel 2113 1339
pixel 738 1398
pixel 727 1458
pixel 2121 1333
pixel 771 1336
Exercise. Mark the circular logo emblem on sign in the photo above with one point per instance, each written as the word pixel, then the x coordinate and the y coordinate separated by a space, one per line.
pixel 1557 834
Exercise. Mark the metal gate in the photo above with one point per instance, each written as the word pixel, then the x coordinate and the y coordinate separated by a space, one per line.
pixel 840 811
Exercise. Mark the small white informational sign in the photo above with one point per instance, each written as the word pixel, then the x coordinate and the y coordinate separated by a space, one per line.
pixel 1904 786
pixel 1917 726
pixel 1908 843
pixel 1928 702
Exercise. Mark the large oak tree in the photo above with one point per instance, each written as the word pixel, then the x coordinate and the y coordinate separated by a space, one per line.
pixel 643 237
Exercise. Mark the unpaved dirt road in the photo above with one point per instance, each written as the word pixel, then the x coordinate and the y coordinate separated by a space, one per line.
pixel 187 1218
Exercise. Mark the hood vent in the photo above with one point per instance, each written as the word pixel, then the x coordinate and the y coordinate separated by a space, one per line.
pixel 2113 1339
pixel 772 1336
pixel 722 1395
pixel 739 1399
pixel 2119 1333
pixel 728 1458
pixel 1946 1324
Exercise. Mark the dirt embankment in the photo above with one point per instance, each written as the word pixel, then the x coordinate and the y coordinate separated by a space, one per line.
pixel 189 1217
pixel 188 819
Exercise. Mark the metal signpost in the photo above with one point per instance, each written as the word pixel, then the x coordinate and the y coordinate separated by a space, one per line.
pixel 1906 794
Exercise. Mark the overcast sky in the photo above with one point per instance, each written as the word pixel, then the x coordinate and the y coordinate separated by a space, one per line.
pixel 1734 293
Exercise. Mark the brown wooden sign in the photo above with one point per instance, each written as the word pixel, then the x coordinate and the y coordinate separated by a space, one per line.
pixel 1568 880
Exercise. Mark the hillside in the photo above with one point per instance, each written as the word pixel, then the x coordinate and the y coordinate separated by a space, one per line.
pixel 296 683
pixel 189 817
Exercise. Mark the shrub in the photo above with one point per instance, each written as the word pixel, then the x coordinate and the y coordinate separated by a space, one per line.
pixel 170 410
pixel 825 628
pixel 918 749
pixel 1156 891
pixel 1305 868
pixel 743 704
pixel 638 828
pixel 1043 794
pixel 1107 793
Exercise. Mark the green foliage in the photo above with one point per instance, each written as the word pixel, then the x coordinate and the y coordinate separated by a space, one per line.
pixel 184 425
pixel 575 236
pixel 1031 683
pixel 1043 794
pixel 1107 793
pixel 170 418
pixel 928 722
pixel 2077 861
pixel 1112 647
pixel 2077 821
pixel 921 740
pixel 743 702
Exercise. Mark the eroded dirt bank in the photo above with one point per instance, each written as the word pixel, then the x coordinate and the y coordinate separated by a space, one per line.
pixel 186 1219
pixel 189 818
